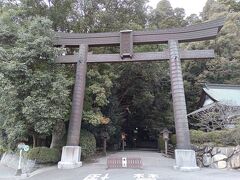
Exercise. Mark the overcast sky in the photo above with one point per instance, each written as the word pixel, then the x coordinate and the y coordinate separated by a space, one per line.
pixel 190 6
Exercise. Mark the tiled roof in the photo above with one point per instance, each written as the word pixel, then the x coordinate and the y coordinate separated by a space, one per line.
pixel 223 93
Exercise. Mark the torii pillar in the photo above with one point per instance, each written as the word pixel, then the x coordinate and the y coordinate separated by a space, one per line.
pixel 71 154
pixel 184 156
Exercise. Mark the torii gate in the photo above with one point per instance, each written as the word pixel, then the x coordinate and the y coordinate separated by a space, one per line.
pixel 185 157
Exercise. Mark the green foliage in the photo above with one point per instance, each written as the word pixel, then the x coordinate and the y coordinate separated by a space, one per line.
pixel 2 150
pixel 44 155
pixel 98 89
pixel 173 139
pixel 197 136
pixel 164 16
pixel 213 138
pixel 225 67
pixel 161 144
pixel 214 9
pixel 3 145
pixel 217 138
pixel 142 95
pixel 87 143
pixel 34 92
pixel 233 136
pixel 234 4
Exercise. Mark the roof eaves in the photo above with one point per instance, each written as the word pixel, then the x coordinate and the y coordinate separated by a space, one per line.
pixel 209 95
pixel 222 86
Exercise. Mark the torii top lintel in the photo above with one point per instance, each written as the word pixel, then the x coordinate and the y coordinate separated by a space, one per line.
pixel 198 32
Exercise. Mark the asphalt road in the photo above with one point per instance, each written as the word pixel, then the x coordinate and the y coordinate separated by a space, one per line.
pixel 155 167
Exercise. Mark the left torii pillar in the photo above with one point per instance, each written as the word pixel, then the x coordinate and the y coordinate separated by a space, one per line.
pixel 71 153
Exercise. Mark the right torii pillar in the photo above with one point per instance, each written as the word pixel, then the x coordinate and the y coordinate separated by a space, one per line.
pixel 184 156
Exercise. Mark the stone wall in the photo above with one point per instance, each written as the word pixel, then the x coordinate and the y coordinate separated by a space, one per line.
pixel 218 157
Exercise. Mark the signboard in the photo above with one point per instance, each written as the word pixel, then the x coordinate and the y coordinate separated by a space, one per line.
pixel 22 146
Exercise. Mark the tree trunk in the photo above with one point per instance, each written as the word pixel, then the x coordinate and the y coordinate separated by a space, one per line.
pixel 43 142
pixel 57 135
pixel 34 140
pixel 38 142
pixel 104 146
pixel 78 98
pixel 178 96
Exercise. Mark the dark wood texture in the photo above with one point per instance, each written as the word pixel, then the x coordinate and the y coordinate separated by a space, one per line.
pixel 203 31
pixel 78 98
pixel 137 57
pixel 178 96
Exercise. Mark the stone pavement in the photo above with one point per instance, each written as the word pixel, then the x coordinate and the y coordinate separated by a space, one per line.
pixel 156 167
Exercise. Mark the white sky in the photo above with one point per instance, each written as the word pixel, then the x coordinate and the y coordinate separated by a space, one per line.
pixel 190 6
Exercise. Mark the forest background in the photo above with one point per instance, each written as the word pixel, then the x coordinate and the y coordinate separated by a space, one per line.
pixel 35 93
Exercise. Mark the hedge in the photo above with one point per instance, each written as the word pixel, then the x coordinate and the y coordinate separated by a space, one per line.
pixel 87 143
pixel 215 138
pixel 44 155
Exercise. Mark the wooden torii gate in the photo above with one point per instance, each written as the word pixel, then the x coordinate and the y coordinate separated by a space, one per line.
pixel 126 39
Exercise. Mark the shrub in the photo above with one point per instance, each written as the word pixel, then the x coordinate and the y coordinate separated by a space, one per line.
pixel 44 155
pixel 161 144
pixel 3 147
pixel 232 137
pixel 216 138
pixel 213 138
pixel 2 151
pixel 173 139
pixel 87 143
pixel 197 137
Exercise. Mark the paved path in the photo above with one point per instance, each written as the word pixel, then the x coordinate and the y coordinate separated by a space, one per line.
pixel 156 167
pixel 6 172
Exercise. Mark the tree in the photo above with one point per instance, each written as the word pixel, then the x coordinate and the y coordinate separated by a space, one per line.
pixel 222 69
pixel 234 4
pixel 216 117
pixel 193 19
pixel 34 91
pixel 137 92
pixel 164 16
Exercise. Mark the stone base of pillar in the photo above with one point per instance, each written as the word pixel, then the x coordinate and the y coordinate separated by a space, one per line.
pixel 71 156
pixel 185 160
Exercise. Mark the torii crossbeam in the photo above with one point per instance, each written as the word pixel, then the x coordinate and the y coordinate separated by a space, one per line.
pixel 126 39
